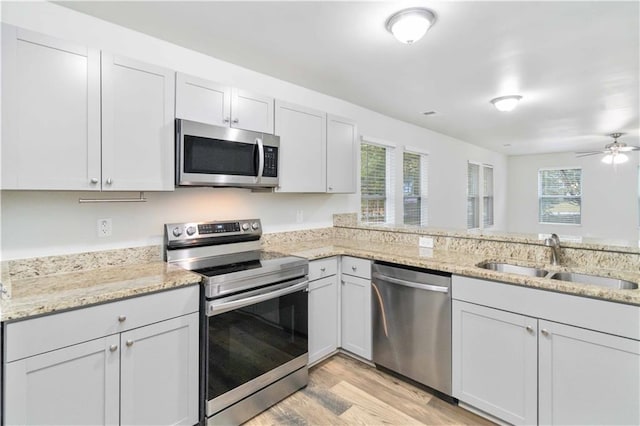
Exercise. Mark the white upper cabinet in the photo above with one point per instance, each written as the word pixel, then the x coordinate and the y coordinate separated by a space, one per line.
pixel 202 100
pixel 251 111
pixel 137 125
pixel 303 148
pixel 205 101
pixel 50 113
pixel 72 124
pixel 341 154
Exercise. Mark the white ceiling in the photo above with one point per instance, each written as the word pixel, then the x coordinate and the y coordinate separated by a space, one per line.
pixel 576 63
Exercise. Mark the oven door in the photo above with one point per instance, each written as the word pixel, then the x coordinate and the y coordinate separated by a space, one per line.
pixel 220 156
pixel 253 340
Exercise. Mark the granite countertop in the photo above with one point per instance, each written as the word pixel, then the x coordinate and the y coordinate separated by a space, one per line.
pixel 462 264
pixel 57 292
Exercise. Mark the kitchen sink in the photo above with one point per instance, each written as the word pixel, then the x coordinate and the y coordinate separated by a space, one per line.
pixel 514 269
pixel 594 280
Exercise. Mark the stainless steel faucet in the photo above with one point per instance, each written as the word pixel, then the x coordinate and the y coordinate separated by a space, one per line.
pixel 554 243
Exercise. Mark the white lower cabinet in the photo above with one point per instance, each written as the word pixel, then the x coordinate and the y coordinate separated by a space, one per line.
pixel 356 306
pixel 495 361
pixel 587 377
pixel 323 318
pixel 513 358
pixel 141 375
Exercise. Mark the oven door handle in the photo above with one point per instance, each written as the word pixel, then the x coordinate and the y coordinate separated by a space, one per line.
pixel 214 308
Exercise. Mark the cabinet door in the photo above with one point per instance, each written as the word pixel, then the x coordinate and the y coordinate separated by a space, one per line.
pixel 356 315
pixel 50 113
pixel 159 373
pixel 341 155
pixel 137 126
pixel 587 377
pixel 303 148
pixel 494 364
pixel 323 318
pixel 251 111
pixel 202 100
pixel 76 385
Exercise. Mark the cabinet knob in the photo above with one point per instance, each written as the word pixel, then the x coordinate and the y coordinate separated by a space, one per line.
pixel 323 269
pixel 236 121
pixel 331 188
pixel 226 120
pixel 544 332
pixel 342 282
pixel 113 348
pixel 353 268
pixel 129 343
pixel 94 180
pixel 122 318
pixel 529 329
pixel 109 181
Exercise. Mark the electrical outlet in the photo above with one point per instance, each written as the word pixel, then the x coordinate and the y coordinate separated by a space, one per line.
pixel 426 242
pixel 299 216
pixel 104 227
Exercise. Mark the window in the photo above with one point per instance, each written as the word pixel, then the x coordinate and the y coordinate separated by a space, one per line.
pixel 560 196
pixel 376 183
pixel 414 188
pixel 479 196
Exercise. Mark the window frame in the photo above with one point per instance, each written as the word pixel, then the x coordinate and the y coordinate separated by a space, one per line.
pixel 424 185
pixel 389 198
pixel 542 169
pixel 481 196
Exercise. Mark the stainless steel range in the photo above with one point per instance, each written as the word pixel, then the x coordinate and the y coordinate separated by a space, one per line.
pixel 254 305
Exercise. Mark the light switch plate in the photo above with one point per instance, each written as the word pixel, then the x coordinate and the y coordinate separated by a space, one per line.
pixel 426 242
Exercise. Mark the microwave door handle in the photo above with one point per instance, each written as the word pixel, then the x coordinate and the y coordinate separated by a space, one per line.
pixel 260 159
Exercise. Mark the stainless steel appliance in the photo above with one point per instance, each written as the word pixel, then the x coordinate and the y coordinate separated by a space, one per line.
pixel 254 316
pixel 412 323
pixel 209 155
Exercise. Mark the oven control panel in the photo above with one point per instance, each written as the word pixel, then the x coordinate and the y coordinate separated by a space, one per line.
pixel 192 232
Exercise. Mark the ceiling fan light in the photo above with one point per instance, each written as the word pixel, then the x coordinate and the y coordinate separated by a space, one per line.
pixel 616 158
pixel 410 25
pixel 506 103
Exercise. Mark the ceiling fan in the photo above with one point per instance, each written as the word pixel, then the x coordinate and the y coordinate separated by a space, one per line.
pixel 614 152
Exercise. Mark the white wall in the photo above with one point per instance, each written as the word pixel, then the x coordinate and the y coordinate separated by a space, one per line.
pixel 609 197
pixel 43 223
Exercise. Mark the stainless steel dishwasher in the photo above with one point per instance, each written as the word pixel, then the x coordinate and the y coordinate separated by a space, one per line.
pixel 411 310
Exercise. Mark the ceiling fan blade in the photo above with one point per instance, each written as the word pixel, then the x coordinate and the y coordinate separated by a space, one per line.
pixel 629 148
pixel 585 154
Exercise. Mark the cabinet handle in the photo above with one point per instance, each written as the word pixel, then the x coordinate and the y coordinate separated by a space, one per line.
pixel 122 318
pixel 529 329
pixel 236 121
pixel 109 181
pixel 226 120
pixel 113 348
pixel 129 343
pixel 544 332
pixel 94 180
pixel 323 269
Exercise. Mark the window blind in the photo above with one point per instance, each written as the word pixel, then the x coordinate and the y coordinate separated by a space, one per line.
pixel 560 196
pixel 376 183
pixel 414 188
pixel 473 196
pixel 487 196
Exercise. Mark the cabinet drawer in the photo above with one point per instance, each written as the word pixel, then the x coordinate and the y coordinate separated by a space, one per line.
pixel 322 268
pixel 356 267
pixel 34 336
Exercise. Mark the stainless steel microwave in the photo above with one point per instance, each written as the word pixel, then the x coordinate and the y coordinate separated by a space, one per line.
pixel 208 155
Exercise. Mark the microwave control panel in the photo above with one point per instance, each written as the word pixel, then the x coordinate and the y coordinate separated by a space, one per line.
pixel 270 161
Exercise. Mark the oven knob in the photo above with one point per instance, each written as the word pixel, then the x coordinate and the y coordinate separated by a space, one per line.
pixel 255 226
pixel 191 230
pixel 177 231
pixel 245 226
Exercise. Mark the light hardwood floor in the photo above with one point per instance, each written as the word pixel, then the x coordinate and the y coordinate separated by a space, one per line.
pixel 344 391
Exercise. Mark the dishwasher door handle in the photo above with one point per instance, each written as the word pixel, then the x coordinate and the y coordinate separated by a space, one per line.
pixel 428 287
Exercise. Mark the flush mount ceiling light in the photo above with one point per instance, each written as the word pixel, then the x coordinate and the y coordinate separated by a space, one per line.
pixel 410 25
pixel 506 103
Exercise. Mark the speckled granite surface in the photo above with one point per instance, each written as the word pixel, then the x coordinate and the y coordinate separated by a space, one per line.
pixel 460 263
pixel 41 294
